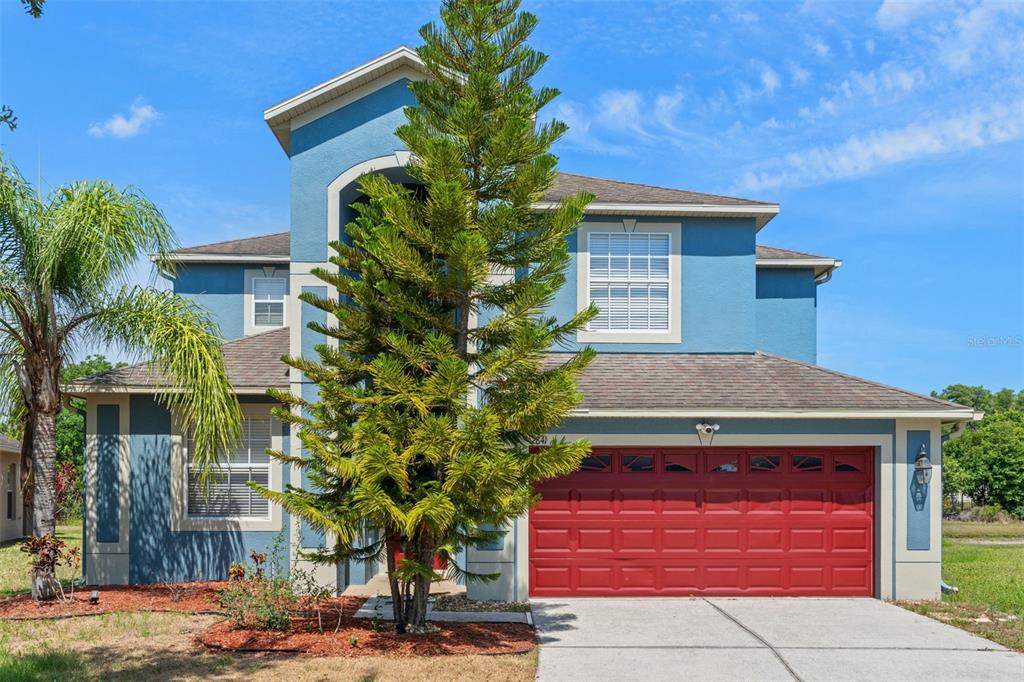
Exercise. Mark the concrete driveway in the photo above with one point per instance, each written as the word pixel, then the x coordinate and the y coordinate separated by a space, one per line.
pixel 640 640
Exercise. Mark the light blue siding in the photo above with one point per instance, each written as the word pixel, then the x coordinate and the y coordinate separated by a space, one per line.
pixel 918 505
pixel 717 291
pixel 108 473
pixel 310 537
pixel 157 553
pixel 787 313
pixel 323 149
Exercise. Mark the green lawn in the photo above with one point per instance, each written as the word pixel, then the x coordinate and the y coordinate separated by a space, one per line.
pixel 990 577
pixel 15 571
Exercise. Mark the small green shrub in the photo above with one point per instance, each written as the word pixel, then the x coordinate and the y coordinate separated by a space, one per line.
pixel 259 596
pixel 991 513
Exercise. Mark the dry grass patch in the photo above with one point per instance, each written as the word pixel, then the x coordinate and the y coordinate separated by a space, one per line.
pixel 978 529
pixel 159 647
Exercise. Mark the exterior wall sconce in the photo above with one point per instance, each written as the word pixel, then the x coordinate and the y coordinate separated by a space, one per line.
pixel 922 467
pixel 706 432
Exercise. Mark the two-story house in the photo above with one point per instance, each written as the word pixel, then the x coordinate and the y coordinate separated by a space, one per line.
pixel 725 461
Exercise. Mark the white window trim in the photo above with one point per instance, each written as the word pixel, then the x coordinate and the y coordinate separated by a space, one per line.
pixel 250 326
pixel 674 332
pixel 180 519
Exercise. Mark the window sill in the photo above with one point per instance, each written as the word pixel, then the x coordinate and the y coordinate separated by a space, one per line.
pixel 628 337
pixel 186 524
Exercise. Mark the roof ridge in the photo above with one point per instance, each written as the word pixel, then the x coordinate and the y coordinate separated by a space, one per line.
pixel 862 380
pixel 232 241
pixel 671 189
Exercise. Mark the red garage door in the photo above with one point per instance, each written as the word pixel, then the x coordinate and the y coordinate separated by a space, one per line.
pixel 713 521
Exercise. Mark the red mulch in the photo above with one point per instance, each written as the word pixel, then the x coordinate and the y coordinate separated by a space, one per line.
pixel 358 636
pixel 197 597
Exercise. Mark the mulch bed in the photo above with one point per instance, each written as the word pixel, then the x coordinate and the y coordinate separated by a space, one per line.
pixel 344 635
pixel 199 597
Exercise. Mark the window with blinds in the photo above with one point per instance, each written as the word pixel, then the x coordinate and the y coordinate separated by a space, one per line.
pixel 229 496
pixel 628 281
pixel 268 301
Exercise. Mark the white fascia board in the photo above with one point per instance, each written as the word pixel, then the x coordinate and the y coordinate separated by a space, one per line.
pixel 85 390
pixel 279 115
pixel 820 265
pixel 761 212
pixel 221 258
pixel 943 414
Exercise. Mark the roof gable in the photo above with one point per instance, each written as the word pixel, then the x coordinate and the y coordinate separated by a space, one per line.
pixel 360 81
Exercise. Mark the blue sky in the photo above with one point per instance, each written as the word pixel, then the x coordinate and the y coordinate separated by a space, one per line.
pixel 892 135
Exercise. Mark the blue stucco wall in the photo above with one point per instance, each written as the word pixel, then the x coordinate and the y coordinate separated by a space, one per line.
pixel 108 478
pixel 919 528
pixel 220 288
pixel 157 553
pixel 717 291
pixel 787 308
pixel 309 536
pixel 323 149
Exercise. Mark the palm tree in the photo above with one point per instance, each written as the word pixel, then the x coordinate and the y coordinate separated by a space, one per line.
pixel 65 266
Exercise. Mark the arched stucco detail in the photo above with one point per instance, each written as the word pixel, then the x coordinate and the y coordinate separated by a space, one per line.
pixel 399 159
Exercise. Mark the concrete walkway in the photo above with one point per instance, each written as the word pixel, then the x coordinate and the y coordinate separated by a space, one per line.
pixel 640 640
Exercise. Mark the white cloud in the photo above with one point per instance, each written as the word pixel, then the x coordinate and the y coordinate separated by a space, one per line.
pixel 140 117
pixel 745 17
pixel 666 106
pixel 869 45
pixel 819 46
pixel 983 35
pixel 769 80
pixel 620 110
pixel 798 74
pixel 862 154
pixel 579 135
pixel 894 14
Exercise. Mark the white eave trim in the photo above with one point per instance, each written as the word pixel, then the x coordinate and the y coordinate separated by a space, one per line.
pixel 820 265
pixel 278 116
pixel 83 390
pixel 761 212
pixel 737 413
pixel 221 258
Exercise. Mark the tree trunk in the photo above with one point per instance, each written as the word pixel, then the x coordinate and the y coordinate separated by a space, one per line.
pixel 397 605
pixel 44 441
pixel 421 587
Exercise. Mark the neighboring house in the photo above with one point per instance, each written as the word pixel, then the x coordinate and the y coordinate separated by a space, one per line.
pixel 807 488
pixel 10 489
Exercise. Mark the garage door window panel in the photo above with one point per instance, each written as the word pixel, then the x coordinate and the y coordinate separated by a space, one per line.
pixel 681 463
pixel 723 463
pixel 637 463
pixel 807 463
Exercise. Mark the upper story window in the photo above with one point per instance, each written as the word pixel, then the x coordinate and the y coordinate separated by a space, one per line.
pixel 268 296
pixel 229 496
pixel 629 280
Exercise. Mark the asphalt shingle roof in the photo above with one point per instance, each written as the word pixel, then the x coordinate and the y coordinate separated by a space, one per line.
pixel 618 192
pixel 278 245
pixel 252 362
pixel 756 381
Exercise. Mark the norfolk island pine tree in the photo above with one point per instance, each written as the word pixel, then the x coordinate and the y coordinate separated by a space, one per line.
pixel 434 391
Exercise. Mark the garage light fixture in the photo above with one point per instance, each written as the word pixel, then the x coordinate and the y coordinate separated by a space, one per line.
pixel 706 432
pixel 922 467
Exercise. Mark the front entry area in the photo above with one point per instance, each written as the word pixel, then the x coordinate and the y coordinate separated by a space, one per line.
pixel 717 521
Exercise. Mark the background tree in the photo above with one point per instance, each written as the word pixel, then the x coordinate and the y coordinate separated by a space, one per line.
pixel 437 392
pixel 65 264
pixel 989 462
